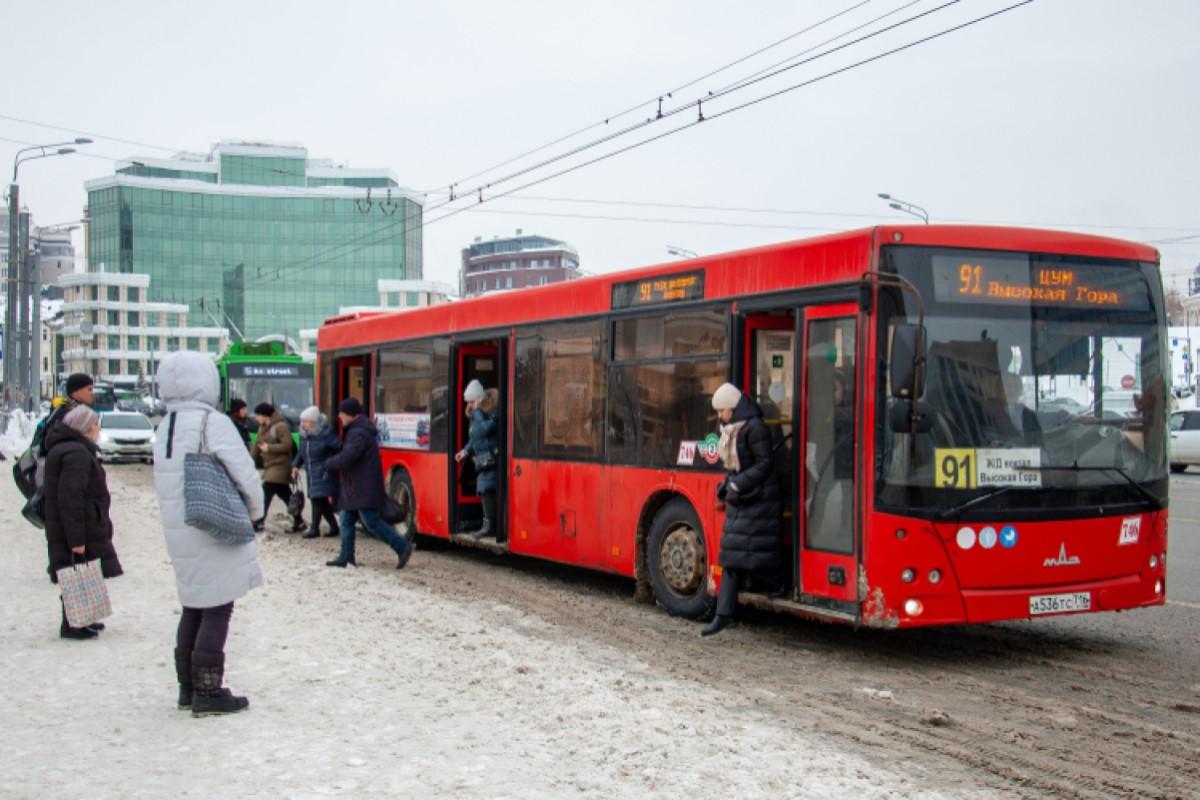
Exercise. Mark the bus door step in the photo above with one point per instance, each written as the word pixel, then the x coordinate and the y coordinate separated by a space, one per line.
pixel 480 544
pixel 797 608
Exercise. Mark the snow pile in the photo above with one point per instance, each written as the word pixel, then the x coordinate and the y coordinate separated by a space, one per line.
pixel 17 432
pixel 368 682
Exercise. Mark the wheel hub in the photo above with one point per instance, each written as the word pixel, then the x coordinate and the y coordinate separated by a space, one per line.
pixel 682 559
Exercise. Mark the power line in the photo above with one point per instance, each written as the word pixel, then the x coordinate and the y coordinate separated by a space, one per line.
pixel 658 98
pixel 426 222
pixel 93 134
pixel 712 96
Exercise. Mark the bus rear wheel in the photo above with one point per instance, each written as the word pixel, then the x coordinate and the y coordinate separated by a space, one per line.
pixel 677 561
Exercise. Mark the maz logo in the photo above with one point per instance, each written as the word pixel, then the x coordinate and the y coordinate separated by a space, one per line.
pixel 1063 559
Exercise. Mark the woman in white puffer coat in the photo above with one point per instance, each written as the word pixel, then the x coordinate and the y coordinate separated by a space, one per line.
pixel 209 575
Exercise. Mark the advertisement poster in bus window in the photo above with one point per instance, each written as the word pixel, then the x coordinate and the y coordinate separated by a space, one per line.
pixel 403 430
pixel 568 403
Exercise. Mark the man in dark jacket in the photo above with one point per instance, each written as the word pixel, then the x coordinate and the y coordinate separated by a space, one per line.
pixel 362 493
pixel 750 538
pixel 80 390
pixel 238 414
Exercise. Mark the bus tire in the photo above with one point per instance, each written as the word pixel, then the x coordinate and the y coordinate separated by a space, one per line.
pixel 400 487
pixel 677 561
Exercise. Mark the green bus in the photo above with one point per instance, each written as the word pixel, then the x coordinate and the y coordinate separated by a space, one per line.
pixel 260 372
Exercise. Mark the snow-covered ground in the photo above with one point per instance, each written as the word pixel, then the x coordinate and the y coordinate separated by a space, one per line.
pixel 365 683
pixel 16 431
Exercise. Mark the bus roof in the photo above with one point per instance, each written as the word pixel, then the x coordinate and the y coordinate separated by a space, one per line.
pixel 777 267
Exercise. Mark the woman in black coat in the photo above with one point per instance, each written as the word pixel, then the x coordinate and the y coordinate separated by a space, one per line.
pixel 77 501
pixel 750 539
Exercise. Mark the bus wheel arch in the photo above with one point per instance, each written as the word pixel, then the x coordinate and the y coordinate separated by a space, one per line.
pixel 674 555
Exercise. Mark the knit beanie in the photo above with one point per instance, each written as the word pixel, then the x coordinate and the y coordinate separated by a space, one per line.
pixel 310 414
pixel 726 396
pixel 474 391
pixel 351 406
pixel 77 381
pixel 81 419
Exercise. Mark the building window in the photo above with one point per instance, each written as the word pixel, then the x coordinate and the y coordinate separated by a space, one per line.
pixel 413 299
pixel 214 345
pixel 152 344
pixel 193 343
pixel 133 318
pixel 114 342
pixel 172 343
pixel 114 366
pixel 508 282
pixel 114 293
pixel 114 317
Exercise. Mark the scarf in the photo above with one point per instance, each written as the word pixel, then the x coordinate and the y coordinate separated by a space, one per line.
pixel 728 446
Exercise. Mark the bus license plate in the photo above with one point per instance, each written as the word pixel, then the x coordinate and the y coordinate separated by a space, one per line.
pixel 1059 603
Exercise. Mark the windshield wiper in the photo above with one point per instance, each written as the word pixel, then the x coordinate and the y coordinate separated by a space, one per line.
pixel 1147 496
pixel 958 509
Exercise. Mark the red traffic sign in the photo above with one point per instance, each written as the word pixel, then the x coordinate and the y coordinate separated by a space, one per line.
pixel 1127 382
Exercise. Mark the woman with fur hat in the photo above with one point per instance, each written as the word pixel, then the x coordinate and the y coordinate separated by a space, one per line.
pixel 750 538
pixel 483 447
pixel 78 527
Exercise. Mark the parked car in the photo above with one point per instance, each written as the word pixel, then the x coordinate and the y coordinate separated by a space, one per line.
pixel 126 435
pixel 1185 440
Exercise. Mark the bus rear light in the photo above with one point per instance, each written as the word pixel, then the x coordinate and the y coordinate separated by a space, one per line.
pixel 913 607
pixel 908 575
pixel 1158 587
pixel 935 576
pixel 1153 561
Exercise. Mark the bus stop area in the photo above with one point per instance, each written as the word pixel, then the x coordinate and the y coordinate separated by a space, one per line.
pixel 475 675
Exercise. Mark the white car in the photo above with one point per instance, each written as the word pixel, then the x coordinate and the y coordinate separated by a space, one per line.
pixel 1185 439
pixel 126 435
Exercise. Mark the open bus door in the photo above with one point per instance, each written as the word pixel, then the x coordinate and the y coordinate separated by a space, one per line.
pixel 769 376
pixel 353 380
pixel 486 362
pixel 828 551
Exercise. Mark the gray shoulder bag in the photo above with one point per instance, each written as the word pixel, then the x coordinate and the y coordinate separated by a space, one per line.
pixel 211 502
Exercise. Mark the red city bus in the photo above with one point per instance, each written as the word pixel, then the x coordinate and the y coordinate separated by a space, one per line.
pixel 951 406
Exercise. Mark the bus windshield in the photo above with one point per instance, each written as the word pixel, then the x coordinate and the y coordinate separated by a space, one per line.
pixel 1044 378
pixel 288 386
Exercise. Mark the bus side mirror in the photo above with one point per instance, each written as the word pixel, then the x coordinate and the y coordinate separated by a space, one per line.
pixel 902 420
pixel 905 371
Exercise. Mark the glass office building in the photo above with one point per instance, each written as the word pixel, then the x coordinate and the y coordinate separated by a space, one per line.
pixel 255 237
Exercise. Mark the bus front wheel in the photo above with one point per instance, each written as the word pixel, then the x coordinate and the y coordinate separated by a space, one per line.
pixel 677 561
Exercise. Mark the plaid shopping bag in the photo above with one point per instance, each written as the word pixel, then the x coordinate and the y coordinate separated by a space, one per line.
pixel 84 595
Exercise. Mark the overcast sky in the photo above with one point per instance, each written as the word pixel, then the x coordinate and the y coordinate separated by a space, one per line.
pixel 1079 114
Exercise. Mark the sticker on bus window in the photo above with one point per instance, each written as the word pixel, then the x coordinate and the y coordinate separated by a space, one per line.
pixel 1131 530
pixel 955 467
pixel 969 468
pixel 708 448
pixel 687 454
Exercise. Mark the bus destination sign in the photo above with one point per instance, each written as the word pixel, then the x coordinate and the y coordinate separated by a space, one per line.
pixel 268 370
pixel 664 289
pixel 1014 279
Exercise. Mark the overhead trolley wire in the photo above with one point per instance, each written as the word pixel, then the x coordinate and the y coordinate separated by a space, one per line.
pixel 373 236
pixel 657 98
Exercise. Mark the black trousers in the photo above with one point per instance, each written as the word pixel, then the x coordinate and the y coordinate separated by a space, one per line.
pixel 204 629
pixel 322 509
pixel 270 490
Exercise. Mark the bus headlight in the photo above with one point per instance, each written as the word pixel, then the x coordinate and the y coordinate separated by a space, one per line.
pixel 1157 587
pixel 1153 561
pixel 913 607
pixel 935 576
pixel 908 575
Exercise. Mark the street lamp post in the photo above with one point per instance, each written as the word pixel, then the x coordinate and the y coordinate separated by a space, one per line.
pixel 905 206
pixel 19 339
pixel 682 252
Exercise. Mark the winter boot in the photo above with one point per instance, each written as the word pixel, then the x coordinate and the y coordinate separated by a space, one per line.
pixel 260 524
pixel 341 562
pixel 297 524
pixel 65 631
pixel 719 623
pixel 402 556
pixel 484 531
pixel 210 698
pixel 183 673
pixel 313 531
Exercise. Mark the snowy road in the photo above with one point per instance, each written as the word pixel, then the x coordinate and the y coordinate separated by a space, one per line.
pixel 453 678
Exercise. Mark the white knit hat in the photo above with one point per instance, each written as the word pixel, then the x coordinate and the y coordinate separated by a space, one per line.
pixel 311 414
pixel 726 396
pixel 474 391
